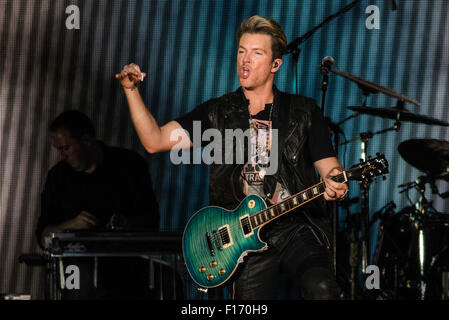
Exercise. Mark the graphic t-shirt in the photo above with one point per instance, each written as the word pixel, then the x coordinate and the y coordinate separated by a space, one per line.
pixel 253 172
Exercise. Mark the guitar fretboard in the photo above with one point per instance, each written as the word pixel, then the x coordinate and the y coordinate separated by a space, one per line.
pixel 265 216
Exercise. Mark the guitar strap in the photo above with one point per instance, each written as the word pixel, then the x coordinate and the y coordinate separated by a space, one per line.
pixel 282 104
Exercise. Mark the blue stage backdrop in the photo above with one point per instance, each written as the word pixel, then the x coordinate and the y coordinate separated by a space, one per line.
pixel 188 48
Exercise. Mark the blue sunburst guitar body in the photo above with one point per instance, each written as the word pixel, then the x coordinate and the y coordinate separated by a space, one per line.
pixel 215 240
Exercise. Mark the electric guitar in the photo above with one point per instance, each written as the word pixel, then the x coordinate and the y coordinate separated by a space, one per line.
pixel 215 240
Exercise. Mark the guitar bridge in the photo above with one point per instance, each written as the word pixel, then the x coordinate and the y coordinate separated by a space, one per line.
pixel 209 244
pixel 217 240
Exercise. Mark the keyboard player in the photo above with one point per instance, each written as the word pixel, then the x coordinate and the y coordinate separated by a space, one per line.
pixel 95 187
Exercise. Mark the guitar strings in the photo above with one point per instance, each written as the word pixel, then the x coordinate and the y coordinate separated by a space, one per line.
pixel 238 227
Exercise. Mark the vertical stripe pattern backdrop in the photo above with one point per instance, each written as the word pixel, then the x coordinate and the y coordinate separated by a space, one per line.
pixel 188 48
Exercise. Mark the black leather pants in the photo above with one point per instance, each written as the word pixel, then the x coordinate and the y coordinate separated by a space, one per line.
pixel 296 249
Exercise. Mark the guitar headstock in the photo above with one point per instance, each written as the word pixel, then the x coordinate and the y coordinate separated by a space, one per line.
pixel 367 170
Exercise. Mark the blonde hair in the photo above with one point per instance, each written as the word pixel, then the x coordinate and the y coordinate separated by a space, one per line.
pixel 269 26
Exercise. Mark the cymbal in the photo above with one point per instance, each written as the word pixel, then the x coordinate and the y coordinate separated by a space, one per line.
pixel 428 155
pixel 372 87
pixel 404 115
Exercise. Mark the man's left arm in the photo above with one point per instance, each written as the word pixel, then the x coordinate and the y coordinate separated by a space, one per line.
pixel 328 168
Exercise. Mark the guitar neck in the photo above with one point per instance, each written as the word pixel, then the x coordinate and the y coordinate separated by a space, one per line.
pixel 266 216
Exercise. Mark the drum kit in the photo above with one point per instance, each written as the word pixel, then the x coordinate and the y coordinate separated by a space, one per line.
pixel 412 250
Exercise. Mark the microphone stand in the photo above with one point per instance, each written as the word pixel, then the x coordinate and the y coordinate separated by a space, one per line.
pixel 324 70
pixel 335 217
pixel 293 47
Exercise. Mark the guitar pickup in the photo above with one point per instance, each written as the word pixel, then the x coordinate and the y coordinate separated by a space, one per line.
pixel 246 226
pixel 225 236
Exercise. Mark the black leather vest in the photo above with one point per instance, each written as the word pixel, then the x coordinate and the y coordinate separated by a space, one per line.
pixel 292 117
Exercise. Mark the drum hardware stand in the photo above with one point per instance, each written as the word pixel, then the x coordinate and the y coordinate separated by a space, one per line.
pixel 364 190
pixel 365 185
pixel 423 208
pixel 354 263
pixel 352 222
pixel 383 215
